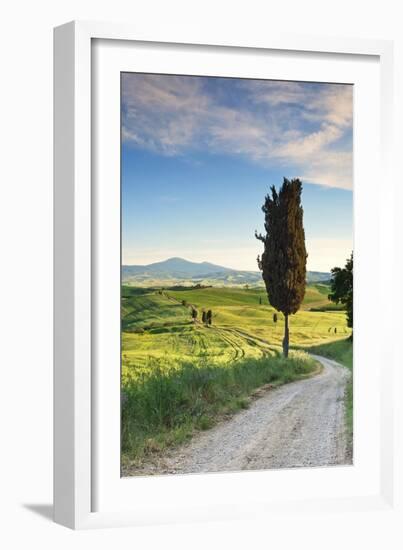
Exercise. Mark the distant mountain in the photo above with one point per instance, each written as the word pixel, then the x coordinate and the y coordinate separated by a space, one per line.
pixel 318 277
pixel 178 270
pixel 177 267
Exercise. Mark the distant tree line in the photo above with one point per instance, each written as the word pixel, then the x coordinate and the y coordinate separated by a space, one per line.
pixel 198 286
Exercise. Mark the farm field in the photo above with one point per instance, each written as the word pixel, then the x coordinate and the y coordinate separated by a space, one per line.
pixel 158 324
pixel 179 374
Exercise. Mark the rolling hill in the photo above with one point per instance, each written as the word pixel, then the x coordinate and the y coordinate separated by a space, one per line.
pixel 180 271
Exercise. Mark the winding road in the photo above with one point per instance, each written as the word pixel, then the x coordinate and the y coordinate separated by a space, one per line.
pixel 297 424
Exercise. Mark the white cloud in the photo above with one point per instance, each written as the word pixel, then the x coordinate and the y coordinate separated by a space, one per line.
pixel 305 127
pixel 332 169
pixel 310 144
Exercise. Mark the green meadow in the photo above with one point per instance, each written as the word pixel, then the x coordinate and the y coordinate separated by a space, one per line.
pixel 158 324
pixel 181 375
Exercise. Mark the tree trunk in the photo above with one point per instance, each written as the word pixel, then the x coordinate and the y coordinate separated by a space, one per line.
pixel 286 338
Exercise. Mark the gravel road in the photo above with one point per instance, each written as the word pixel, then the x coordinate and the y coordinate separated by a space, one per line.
pixel 298 424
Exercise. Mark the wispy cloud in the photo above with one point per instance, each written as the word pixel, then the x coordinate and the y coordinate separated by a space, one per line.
pixel 302 127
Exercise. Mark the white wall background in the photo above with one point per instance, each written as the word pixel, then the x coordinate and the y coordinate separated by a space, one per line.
pixel 26 266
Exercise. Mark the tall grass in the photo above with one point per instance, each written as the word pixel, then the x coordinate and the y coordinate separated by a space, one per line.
pixel 162 406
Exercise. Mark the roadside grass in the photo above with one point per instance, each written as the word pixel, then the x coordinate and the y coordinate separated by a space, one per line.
pixel 341 351
pixel 164 403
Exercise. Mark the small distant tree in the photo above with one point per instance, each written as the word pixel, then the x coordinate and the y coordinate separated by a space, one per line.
pixel 204 316
pixel 209 317
pixel 260 300
pixel 184 303
pixel 283 262
pixel 194 314
pixel 341 287
pixel 275 318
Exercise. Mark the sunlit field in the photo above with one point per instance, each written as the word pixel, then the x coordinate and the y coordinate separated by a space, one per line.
pixel 180 374
pixel 158 324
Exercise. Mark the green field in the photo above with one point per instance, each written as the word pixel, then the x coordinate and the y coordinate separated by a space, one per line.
pixel 155 324
pixel 177 374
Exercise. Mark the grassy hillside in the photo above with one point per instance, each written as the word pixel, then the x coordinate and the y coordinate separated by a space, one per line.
pixel 157 325
pixel 171 364
pixel 148 309
pixel 235 308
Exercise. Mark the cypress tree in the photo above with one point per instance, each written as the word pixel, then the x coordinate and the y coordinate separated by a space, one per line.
pixel 283 262
pixel 209 317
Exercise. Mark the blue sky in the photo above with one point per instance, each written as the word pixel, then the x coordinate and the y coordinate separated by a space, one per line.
pixel 199 154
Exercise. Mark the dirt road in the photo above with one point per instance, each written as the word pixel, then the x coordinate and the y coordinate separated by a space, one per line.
pixel 298 424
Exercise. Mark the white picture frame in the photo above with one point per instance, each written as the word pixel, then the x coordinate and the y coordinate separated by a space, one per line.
pixel 87 491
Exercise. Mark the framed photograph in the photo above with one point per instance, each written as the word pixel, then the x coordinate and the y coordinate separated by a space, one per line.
pixel 215 356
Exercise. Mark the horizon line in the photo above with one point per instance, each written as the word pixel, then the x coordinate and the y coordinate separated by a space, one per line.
pixel 204 262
